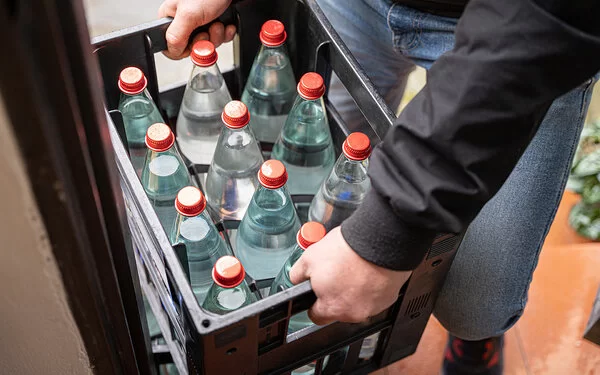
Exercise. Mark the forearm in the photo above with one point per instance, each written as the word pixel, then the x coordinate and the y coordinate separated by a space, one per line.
pixel 458 140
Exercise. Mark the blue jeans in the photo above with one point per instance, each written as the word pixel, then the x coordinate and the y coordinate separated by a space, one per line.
pixel 486 289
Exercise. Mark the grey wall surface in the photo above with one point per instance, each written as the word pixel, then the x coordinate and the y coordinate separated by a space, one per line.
pixel 38 334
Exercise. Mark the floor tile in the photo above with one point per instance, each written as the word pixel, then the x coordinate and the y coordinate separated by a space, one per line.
pixel 560 300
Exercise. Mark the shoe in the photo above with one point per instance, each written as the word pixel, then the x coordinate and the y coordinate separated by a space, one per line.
pixel 483 357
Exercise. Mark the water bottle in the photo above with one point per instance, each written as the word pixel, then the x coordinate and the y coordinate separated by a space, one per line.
pixel 206 94
pixel 204 245
pixel 347 185
pixel 139 112
pixel 310 233
pixel 229 291
pixel 233 174
pixel 267 234
pixel 305 145
pixel 271 86
pixel 341 193
pixel 164 173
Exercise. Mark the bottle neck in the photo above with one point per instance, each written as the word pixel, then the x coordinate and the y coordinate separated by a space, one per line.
pixel 166 163
pixel 191 228
pixel 237 138
pixel 169 152
pixel 282 280
pixel 221 300
pixel 278 53
pixel 143 95
pixel 138 105
pixel 272 199
pixel 296 254
pixel 352 171
pixel 206 78
pixel 308 111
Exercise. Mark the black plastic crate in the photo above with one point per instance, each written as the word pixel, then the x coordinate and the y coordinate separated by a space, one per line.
pixel 253 340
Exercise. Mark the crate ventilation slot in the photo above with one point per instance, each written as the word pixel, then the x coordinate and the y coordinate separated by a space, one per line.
pixel 443 247
pixel 417 304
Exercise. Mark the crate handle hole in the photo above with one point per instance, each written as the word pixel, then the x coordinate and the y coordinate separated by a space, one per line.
pixel 206 323
pixel 231 351
pixel 436 263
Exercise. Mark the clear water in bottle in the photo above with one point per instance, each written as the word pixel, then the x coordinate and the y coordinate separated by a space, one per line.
pixel 309 233
pixel 204 245
pixel 267 234
pixel 346 186
pixel 232 177
pixel 206 94
pixel 271 86
pixel 139 112
pixel 229 290
pixel 164 173
pixel 305 145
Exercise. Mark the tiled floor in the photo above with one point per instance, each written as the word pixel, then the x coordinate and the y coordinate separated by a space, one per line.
pixel 548 338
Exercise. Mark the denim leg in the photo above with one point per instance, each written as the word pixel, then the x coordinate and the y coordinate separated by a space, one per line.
pixel 422 37
pixel 363 26
pixel 486 289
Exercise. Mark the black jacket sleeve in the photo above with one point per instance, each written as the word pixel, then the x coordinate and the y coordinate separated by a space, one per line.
pixel 458 140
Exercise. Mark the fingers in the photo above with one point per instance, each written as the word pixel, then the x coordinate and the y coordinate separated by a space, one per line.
pixel 299 271
pixel 319 314
pixel 220 33
pixel 217 33
pixel 230 31
pixel 331 308
pixel 188 49
pixel 179 31
pixel 200 36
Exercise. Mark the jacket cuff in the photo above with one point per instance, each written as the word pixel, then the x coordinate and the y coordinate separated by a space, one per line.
pixel 377 234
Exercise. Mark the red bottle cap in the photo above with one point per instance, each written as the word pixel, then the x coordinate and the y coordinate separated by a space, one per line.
pixel 272 33
pixel 272 174
pixel 132 81
pixel 311 86
pixel 357 146
pixel 204 53
pixel 159 137
pixel 228 272
pixel 235 115
pixel 310 233
pixel 190 201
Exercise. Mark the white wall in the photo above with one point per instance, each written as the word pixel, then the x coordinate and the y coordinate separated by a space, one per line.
pixel 38 334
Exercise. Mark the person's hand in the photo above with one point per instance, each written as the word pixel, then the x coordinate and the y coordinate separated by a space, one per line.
pixel 348 288
pixel 188 15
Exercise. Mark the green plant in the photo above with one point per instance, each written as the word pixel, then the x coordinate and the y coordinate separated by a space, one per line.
pixel 585 180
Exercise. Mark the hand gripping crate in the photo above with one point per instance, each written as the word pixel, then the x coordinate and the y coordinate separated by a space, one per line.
pixel 254 340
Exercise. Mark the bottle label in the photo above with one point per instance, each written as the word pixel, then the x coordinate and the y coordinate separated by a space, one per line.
pixel 164 165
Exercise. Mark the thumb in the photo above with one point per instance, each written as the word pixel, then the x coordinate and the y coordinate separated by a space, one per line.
pixel 180 30
pixel 299 271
